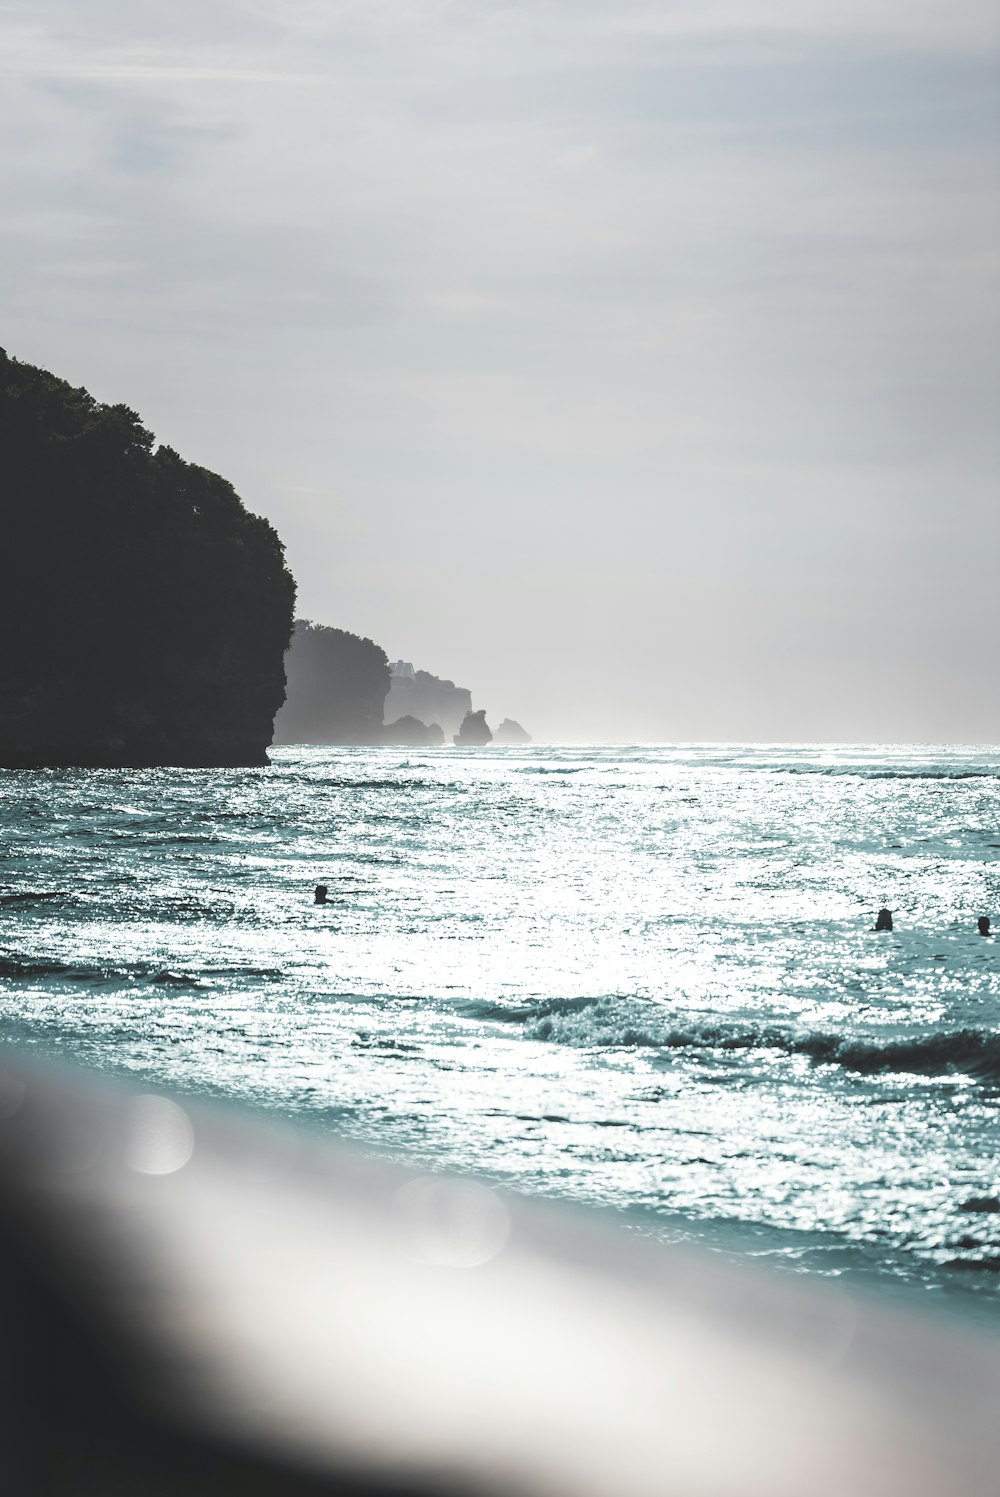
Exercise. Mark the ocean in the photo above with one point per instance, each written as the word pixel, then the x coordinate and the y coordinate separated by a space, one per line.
pixel 639 978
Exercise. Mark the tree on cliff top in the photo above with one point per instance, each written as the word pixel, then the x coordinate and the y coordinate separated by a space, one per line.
pixel 144 612
pixel 337 685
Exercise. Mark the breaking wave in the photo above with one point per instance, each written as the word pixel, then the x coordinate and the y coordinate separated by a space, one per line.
pixel 613 1023
pixel 862 772
pixel 17 968
pixel 368 782
pixel 29 897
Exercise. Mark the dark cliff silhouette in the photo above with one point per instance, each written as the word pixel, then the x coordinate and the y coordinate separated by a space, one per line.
pixel 474 729
pixel 427 698
pixel 143 611
pixel 511 731
pixel 410 730
pixel 337 684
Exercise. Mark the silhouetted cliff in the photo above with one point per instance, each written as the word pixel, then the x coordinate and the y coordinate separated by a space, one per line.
pixel 428 698
pixel 143 611
pixel 337 683
pixel 411 731
pixel 510 731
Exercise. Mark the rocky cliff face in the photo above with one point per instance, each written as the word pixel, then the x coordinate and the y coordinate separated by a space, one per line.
pixel 413 733
pixel 510 731
pixel 337 683
pixel 144 612
pixel 474 729
pixel 428 698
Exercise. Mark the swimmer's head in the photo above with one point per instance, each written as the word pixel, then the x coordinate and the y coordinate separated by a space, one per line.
pixel 319 894
pixel 984 925
pixel 883 920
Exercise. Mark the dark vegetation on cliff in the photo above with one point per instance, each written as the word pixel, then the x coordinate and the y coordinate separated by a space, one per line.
pixel 337 683
pixel 144 612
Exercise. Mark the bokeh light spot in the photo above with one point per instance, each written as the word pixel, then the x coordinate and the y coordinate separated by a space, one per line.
pixel 160 1136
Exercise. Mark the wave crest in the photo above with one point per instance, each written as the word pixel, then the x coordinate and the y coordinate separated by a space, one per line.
pixel 863 772
pixel 614 1023
pixel 18 968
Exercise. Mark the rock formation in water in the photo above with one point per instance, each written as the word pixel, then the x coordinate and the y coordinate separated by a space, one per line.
pixel 410 730
pixel 510 731
pixel 428 698
pixel 144 613
pixel 474 729
pixel 337 683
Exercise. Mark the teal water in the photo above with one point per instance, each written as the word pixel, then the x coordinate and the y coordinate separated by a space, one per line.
pixel 644 978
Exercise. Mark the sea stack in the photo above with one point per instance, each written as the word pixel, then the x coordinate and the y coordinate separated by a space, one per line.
pixel 410 731
pixel 510 731
pixel 474 729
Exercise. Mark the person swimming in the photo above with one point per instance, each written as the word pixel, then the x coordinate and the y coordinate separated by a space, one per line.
pixel 883 920
pixel 319 894
pixel 984 925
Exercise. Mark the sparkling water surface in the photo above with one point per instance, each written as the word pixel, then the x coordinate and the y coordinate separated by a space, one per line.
pixel 639 977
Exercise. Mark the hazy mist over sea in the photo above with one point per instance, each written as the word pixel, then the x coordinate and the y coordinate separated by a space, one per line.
pixel 634 364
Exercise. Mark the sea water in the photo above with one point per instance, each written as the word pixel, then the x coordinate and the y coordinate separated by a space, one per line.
pixel 644 978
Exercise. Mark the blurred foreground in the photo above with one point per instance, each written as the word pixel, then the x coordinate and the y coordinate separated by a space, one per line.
pixel 193 1302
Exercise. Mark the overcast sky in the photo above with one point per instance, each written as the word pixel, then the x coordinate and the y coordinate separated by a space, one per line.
pixel 635 364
